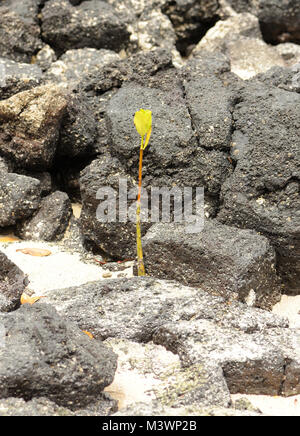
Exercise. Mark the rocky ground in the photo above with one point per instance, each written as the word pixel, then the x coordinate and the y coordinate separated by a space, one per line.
pixel 203 333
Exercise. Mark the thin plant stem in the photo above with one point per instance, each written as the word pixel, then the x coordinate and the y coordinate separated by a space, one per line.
pixel 141 266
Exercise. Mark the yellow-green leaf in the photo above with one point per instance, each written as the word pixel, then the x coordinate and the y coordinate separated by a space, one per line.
pixel 143 121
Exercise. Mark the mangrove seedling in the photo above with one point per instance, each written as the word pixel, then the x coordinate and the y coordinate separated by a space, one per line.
pixel 143 125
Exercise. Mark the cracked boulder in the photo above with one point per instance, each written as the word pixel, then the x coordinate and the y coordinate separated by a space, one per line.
pixel 50 221
pixel 209 100
pixel 178 154
pixel 30 123
pixel 202 329
pixel 46 356
pixel 263 191
pixel 92 24
pixel 12 284
pixel 236 264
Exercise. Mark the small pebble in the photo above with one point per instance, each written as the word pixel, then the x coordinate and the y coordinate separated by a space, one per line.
pixel 106 275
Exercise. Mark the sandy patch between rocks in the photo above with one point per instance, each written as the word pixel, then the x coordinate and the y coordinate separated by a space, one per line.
pixel 59 270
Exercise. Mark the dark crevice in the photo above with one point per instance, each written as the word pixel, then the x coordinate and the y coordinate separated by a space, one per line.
pixel 189 26
pixel 281 387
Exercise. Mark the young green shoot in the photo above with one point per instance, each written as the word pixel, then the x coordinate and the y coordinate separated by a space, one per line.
pixel 143 125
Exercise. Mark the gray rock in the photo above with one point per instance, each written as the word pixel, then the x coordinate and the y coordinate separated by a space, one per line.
pixel 200 328
pixel 90 24
pixel 172 138
pixel 45 179
pixel 115 238
pixel 78 130
pixel 16 77
pixel 30 122
pixel 258 363
pixel 44 355
pixel 222 260
pixel 45 57
pixel 191 19
pixel 232 29
pixel 20 196
pixel 283 78
pixel 19 32
pixel 156 409
pixel 74 64
pixel 279 18
pixel 289 52
pixel 99 308
pixel 252 56
pixel 4 165
pixel 263 191
pixel 151 30
pixel 43 407
pixel 140 67
pixel 210 102
pixel 161 377
pixel 132 9
pixel 175 156
pixel 50 221
pixel 35 407
pixel 239 37
pixel 12 284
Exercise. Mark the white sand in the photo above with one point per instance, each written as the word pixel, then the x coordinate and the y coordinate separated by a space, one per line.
pixel 59 270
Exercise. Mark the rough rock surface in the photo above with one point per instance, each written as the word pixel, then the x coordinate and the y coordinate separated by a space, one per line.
pixel 263 191
pixel 182 152
pixel 30 122
pixel 45 57
pixel 280 19
pixel 19 31
pixel 105 172
pixel 151 373
pixel 91 24
pixel 156 409
pixel 234 28
pixel 16 77
pixel 239 37
pixel 50 221
pixel 44 355
pixel 20 196
pixel 99 308
pixel 78 130
pixel 43 407
pixel 190 19
pixel 74 64
pixel 209 100
pixel 255 349
pixel 234 263
pixel 12 284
